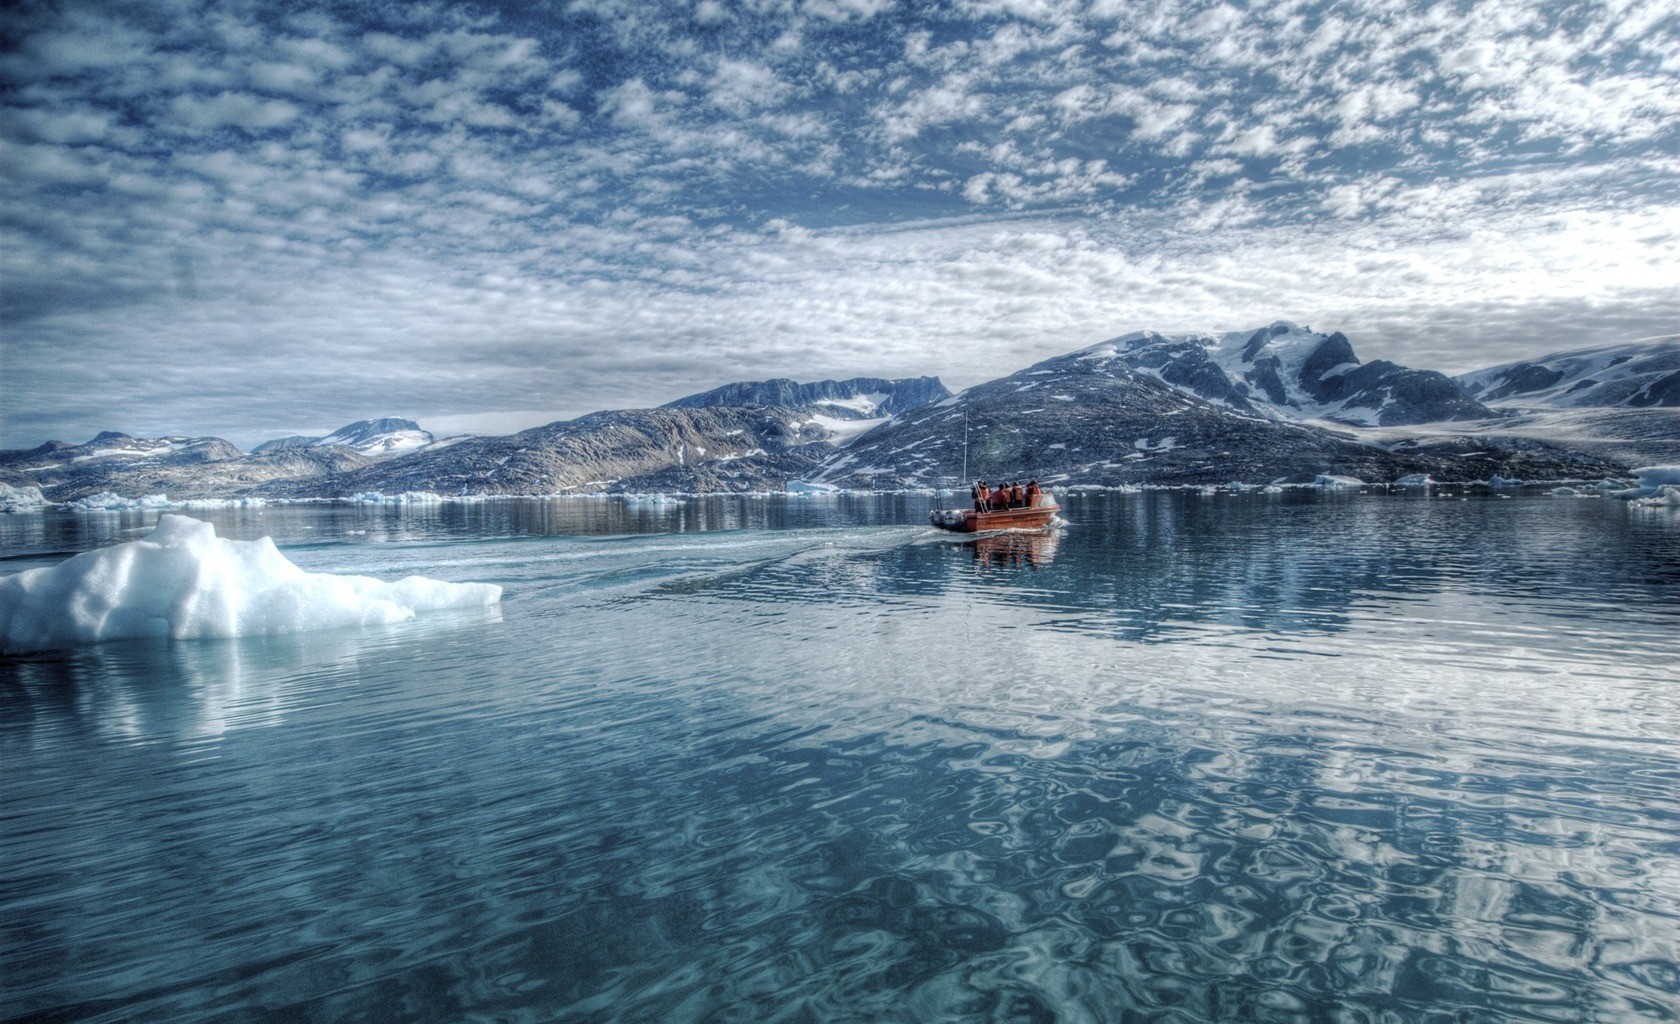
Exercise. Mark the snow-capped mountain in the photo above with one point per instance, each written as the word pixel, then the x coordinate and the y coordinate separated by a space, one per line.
pixel 1091 417
pixel 1639 375
pixel 376 439
pixel 111 451
pixel 184 467
pixel 723 448
pixel 861 398
pixel 1289 372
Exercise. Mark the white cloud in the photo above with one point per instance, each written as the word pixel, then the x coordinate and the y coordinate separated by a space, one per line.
pixel 417 186
pixel 232 110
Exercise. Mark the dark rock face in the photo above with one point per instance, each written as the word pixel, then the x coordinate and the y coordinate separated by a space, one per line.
pixel 845 399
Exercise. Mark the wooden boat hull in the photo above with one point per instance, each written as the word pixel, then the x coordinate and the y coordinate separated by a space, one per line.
pixel 969 521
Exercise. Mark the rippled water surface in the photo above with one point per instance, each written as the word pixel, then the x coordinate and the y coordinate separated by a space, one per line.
pixel 1238 757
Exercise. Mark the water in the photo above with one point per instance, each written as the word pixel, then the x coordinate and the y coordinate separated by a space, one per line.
pixel 1241 757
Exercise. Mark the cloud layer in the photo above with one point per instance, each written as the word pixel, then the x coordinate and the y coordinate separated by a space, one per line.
pixel 255 220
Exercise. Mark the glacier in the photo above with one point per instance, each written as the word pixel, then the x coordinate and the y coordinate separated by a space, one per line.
pixel 182 581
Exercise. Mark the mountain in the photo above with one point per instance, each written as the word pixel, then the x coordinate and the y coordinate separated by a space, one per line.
pixel 1637 376
pixel 375 439
pixel 1091 417
pixel 182 467
pixel 1288 372
pixel 1251 406
pixel 736 448
pixel 860 398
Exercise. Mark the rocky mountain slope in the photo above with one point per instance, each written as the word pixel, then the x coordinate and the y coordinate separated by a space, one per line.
pixel 1091 417
pixel 182 467
pixel 860 398
pixel 735 448
pixel 1635 376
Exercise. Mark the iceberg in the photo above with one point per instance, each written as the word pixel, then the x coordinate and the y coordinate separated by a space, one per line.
pixel 1332 482
pixel 1654 482
pixel 182 581
pixel 21 499
pixel 110 501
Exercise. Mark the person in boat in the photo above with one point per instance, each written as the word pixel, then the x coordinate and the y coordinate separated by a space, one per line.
pixel 1017 495
pixel 1032 493
pixel 982 497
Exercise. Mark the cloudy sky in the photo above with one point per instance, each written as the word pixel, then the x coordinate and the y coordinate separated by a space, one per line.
pixel 257 219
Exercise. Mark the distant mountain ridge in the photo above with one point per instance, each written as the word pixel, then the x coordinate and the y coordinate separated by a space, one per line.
pixel 855 399
pixel 1133 411
pixel 1280 403
pixel 1639 375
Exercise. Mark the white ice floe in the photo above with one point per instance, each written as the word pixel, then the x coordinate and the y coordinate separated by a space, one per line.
pixel 183 581
pixel 1415 480
pixel 109 501
pixel 1658 485
pixel 808 487
pixel 1331 482
pixel 405 498
pixel 21 499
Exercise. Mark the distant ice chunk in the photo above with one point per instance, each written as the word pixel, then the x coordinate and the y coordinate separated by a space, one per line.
pixel 1415 480
pixel 1330 482
pixel 183 581
pixel 21 499
pixel 109 501
pixel 1652 481
pixel 807 487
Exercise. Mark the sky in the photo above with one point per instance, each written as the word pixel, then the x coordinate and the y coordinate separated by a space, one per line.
pixel 250 219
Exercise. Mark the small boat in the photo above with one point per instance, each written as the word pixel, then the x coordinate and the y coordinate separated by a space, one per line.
pixel 964 520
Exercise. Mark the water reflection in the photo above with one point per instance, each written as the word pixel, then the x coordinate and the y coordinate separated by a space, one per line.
pixel 1034 550
pixel 1400 761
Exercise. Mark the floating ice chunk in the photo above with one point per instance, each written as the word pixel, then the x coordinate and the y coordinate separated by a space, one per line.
pixel 21 499
pixel 183 581
pixel 1331 482
pixel 1667 496
pixel 1652 480
pixel 807 487
pixel 1415 480
pixel 109 501
pixel 1564 492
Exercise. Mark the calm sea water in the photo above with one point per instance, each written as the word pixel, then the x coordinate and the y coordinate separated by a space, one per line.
pixel 1251 757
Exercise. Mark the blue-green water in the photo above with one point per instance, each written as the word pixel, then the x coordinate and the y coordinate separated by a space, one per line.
pixel 1251 757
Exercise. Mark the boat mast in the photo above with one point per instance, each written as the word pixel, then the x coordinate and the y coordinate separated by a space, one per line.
pixel 964 478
